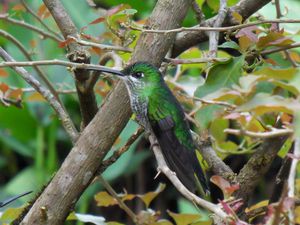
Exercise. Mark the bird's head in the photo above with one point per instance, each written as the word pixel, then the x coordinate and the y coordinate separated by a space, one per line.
pixel 139 76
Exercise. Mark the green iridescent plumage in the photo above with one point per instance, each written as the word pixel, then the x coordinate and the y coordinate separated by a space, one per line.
pixel 158 111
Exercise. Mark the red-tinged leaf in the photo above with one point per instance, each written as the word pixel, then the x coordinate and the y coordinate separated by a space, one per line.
pixel 15 94
pixel 274 39
pixel 33 43
pixel 292 156
pixel 86 36
pixel 19 7
pixel 3 73
pixel 224 185
pixel 63 44
pixel 232 188
pixel 271 61
pixel 4 87
pixel 42 10
pixel 226 207
pixel 236 205
pixel 286 118
pixel 95 50
pixel 114 10
pixel 294 56
pixel 249 32
pixel 98 20
pixel 220 182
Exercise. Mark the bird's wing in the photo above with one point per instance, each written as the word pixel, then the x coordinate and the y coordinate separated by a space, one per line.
pixel 178 157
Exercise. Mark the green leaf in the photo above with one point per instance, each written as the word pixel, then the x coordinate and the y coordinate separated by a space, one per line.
pixel 207 114
pixel 230 44
pixel 184 218
pixel 285 148
pixel 276 73
pixel 217 128
pixel 104 199
pixel 262 103
pixel 221 75
pixel 10 214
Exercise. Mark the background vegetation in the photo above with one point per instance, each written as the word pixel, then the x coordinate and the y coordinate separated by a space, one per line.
pixel 244 99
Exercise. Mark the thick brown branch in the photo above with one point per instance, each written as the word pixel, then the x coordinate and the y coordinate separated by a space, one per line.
pixel 257 166
pixel 186 40
pixel 96 139
pixel 77 53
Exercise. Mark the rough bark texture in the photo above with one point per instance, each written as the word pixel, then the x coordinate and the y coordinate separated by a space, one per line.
pixel 77 53
pixel 256 167
pixel 78 169
pixel 186 40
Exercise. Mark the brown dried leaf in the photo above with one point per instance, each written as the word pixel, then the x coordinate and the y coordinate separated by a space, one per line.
pixel 19 7
pixel 4 88
pixel 3 73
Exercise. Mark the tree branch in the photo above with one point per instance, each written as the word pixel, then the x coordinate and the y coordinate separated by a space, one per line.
pixel 268 134
pixel 27 55
pixel 257 166
pixel 292 176
pixel 62 114
pixel 45 34
pixel 81 164
pixel 186 40
pixel 77 53
pixel 162 167
pixel 214 35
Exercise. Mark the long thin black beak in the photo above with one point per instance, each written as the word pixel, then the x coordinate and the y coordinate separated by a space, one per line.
pixel 4 203
pixel 109 70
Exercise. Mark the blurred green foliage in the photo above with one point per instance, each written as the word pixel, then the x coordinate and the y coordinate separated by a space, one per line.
pixel 33 143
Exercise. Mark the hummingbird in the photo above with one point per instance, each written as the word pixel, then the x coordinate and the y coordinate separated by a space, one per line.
pixel 160 113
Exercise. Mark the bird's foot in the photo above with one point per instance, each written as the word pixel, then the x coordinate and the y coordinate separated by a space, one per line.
pixel 155 144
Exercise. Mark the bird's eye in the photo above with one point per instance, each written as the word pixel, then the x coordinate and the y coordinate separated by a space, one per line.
pixel 138 75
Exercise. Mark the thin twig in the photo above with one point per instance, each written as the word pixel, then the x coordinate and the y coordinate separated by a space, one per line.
pixel 100 46
pixel 116 155
pixel 268 134
pixel 45 34
pixel 212 102
pixel 279 49
pixel 53 62
pixel 40 20
pixel 221 29
pixel 111 191
pixel 292 176
pixel 162 166
pixel 198 12
pixel 105 58
pixel 23 49
pixel 194 61
pixel 214 35
pixel 278 16
pixel 62 114
pixel 58 91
